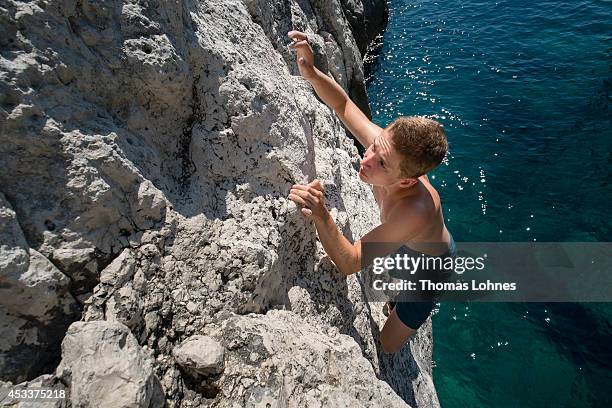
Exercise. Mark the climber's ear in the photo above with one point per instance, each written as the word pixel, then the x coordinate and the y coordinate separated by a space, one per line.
pixel 408 182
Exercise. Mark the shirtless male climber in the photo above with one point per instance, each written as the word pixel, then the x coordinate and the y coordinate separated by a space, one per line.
pixel 395 164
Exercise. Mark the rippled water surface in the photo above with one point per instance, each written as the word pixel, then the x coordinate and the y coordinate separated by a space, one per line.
pixel 523 90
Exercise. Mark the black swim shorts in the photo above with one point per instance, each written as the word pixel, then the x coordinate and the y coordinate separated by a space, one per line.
pixel 413 314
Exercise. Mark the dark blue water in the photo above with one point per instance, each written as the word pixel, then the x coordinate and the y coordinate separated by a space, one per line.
pixel 523 89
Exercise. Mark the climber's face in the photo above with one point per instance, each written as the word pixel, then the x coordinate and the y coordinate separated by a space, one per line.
pixel 380 163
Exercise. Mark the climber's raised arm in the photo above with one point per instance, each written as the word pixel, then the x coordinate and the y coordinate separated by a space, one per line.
pixel 348 257
pixel 332 94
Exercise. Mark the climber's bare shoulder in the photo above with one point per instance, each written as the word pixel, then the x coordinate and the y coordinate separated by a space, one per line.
pixel 379 192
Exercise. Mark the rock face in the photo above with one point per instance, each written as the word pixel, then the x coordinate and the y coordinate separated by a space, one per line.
pixel 200 355
pixel 266 360
pixel 368 18
pixel 35 306
pixel 147 150
pixel 104 366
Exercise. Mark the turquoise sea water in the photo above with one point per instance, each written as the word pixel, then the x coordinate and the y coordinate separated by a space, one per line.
pixel 523 89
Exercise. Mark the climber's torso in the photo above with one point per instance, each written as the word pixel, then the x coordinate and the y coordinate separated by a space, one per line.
pixel 434 239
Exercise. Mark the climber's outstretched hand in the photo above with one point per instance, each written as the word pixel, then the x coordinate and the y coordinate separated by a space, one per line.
pixel 310 198
pixel 305 57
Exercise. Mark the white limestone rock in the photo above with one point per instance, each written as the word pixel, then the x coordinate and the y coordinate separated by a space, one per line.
pixel 151 205
pixel 35 306
pixel 200 355
pixel 104 366
pixel 148 149
pixel 31 285
pixel 121 270
pixel 291 363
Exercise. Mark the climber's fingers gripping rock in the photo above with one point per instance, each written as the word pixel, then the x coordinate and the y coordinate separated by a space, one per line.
pixel 310 198
pixel 317 185
pixel 305 57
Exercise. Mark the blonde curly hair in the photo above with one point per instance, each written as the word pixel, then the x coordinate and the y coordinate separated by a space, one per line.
pixel 420 141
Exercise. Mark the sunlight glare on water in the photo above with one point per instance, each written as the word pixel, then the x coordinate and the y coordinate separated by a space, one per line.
pixel 523 91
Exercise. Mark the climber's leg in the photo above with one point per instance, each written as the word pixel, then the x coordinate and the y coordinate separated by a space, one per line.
pixel 404 320
pixel 394 333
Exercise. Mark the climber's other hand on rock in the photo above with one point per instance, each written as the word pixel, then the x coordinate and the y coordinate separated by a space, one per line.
pixel 305 57
pixel 310 198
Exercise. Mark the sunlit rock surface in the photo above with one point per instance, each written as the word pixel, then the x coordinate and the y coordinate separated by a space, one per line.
pixel 147 149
